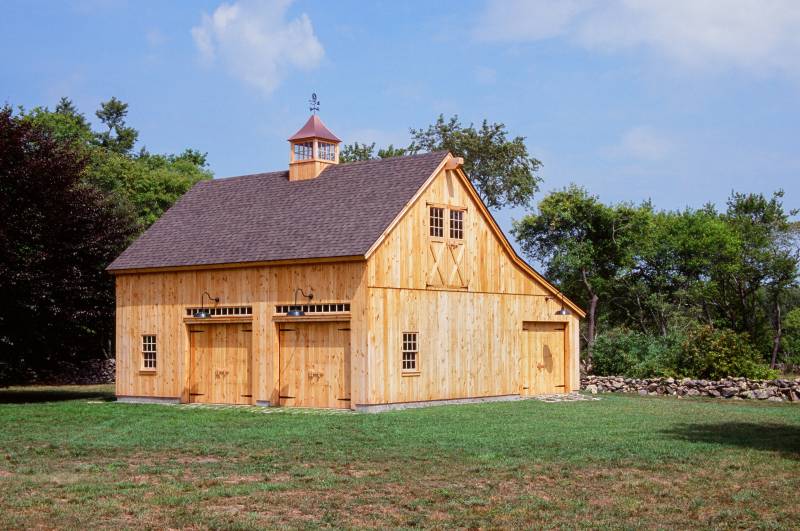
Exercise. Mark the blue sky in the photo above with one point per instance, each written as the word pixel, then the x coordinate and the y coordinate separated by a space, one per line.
pixel 678 101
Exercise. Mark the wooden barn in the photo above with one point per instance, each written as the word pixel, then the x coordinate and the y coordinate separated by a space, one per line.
pixel 368 285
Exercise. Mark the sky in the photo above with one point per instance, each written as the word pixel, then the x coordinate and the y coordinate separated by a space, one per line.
pixel 676 101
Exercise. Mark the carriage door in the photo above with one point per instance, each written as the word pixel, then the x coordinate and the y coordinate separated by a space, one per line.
pixel 315 364
pixel 219 370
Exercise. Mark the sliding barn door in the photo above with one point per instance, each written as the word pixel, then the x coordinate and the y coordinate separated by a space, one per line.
pixel 219 370
pixel 315 365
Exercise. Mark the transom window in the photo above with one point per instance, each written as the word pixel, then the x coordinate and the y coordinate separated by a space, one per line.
pixel 410 352
pixel 334 307
pixel 149 352
pixel 303 150
pixel 327 151
pixel 437 222
pixel 221 311
pixel 457 224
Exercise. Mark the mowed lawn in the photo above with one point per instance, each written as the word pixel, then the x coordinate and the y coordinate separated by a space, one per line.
pixel 71 458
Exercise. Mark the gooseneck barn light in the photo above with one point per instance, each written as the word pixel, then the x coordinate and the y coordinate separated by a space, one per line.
pixel 562 311
pixel 203 313
pixel 297 311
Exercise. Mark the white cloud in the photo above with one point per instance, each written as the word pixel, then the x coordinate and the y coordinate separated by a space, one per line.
pixel 642 143
pixel 752 34
pixel 256 43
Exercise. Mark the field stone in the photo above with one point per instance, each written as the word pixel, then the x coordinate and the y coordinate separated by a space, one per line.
pixel 761 394
pixel 730 388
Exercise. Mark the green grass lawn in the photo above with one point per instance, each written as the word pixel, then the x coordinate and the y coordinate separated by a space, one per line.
pixel 71 458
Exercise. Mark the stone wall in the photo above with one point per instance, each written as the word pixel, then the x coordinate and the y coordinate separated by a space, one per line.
pixel 731 388
pixel 86 373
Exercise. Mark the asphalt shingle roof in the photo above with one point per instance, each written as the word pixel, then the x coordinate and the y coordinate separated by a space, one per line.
pixel 265 217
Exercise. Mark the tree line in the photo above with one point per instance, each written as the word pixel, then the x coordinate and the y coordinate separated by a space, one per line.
pixel 656 282
pixel 73 198
pixel 698 292
pixel 693 292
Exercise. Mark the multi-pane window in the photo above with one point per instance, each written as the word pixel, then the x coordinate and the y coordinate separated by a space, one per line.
pixel 222 311
pixel 304 150
pixel 457 224
pixel 327 151
pixel 149 352
pixel 410 352
pixel 315 308
pixel 437 222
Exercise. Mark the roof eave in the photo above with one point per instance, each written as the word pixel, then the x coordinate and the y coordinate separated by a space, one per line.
pixel 234 265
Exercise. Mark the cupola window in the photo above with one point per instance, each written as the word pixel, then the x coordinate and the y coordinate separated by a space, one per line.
pixel 303 151
pixel 327 151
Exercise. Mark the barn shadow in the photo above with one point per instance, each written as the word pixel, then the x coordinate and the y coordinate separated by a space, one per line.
pixel 39 394
pixel 781 438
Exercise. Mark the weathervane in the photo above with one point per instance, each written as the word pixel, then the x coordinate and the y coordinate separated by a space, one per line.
pixel 313 103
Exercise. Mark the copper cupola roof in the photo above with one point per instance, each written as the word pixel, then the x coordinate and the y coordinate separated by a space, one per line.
pixel 314 128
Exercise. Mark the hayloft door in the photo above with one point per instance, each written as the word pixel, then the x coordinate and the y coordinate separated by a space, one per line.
pixel 543 358
pixel 315 364
pixel 447 257
pixel 219 370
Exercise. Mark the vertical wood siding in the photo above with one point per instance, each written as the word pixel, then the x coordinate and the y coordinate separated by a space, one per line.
pixel 155 303
pixel 470 339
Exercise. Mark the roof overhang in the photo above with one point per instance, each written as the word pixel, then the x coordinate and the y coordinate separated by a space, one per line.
pixel 237 265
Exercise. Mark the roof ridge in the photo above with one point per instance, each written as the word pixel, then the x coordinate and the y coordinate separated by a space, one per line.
pixel 355 162
pixel 246 218
pixel 259 174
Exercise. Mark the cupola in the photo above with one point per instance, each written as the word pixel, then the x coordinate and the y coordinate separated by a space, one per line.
pixel 313 148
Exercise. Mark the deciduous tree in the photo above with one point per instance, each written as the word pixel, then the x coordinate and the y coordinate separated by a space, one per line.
pixel 500 167
pixel 57 235
pixel 585 245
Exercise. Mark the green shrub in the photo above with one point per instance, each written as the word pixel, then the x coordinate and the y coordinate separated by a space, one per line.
pixel 622 352
pixel 712 353
pixel 790 344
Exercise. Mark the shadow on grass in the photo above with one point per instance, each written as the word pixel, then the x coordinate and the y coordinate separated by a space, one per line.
pixel 781 438
pixel 38 394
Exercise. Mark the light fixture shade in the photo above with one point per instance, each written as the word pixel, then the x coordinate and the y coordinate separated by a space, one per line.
pixel 295 312
pixel 200 314
pixel 563 311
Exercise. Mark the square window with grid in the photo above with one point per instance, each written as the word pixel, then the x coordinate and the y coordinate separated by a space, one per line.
pixel 457 224
pixel 303 150
pixel 410 351
pixel 327 151
pixel 149 352
pixel 437 222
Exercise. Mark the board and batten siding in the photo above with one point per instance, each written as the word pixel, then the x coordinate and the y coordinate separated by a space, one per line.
pixel 155 303
pixel 469 338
